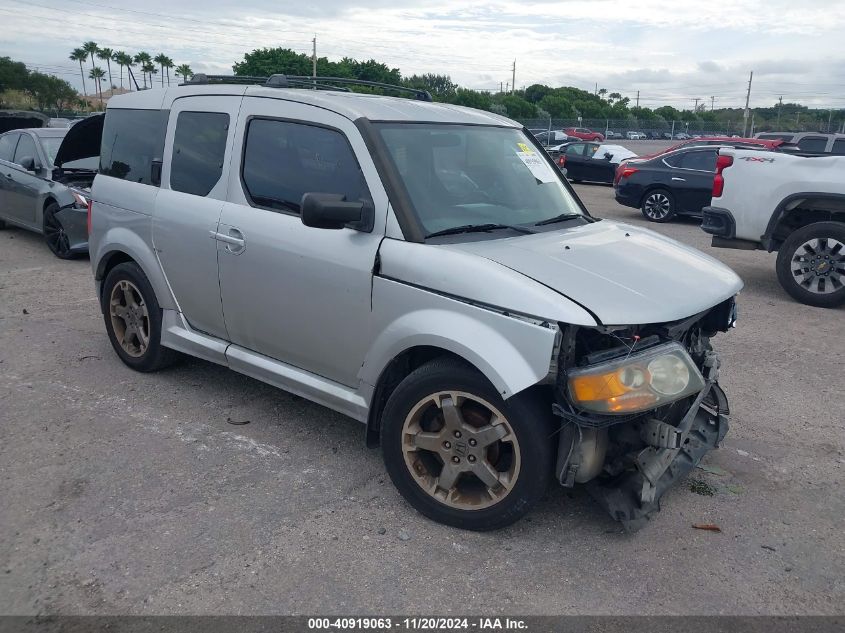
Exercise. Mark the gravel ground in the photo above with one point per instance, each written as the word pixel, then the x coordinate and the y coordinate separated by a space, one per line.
pixel 131 493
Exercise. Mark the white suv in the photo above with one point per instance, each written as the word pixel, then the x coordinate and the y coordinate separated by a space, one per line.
pixel 422 268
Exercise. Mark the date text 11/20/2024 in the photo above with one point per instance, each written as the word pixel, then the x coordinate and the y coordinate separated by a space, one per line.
pixel 416 624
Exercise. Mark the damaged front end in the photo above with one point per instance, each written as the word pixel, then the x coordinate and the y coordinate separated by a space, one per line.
pixel 639 408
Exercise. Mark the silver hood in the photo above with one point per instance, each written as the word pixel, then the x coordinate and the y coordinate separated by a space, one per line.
pixel 623 274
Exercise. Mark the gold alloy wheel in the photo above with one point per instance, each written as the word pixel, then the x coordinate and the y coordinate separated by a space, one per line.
pixel 129 318
pixel 461 450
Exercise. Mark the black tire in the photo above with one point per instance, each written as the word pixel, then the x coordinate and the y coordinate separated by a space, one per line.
pixel 528 416
pixel 658 205
pixel 54 233
pixel 815 288
pixel 154 356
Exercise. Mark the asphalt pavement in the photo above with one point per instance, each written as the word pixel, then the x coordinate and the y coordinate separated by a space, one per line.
pixel 198 490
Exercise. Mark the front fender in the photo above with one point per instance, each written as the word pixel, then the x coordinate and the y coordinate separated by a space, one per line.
pixel 513 353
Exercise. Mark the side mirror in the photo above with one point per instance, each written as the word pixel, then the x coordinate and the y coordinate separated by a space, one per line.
pixel 29 164
pixel 332 211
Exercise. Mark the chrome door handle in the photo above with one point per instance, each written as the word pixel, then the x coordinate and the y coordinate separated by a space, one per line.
pixel 679 179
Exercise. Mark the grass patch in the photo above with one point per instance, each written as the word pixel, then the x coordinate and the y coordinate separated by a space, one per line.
pixel 702 488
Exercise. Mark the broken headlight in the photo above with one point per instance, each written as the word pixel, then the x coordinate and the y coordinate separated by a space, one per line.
pixel 637 382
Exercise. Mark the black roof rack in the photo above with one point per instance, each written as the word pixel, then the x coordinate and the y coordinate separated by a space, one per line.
pixel 301 81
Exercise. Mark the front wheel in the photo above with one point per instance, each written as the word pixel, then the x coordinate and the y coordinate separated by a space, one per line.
pixel 658 206
pixel 459 453
pixel 811 264
pixel 54 233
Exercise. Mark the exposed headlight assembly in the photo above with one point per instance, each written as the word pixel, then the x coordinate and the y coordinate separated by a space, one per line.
pixel 639 382
pixel 80 201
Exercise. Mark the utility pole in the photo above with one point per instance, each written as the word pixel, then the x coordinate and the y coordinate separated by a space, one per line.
pixel 507 87
pixel 314 60
pixel 747 100
pixel 695 108
pixel 638 98
pixel 712 101
pixel 780 105
pixel 829 119
pixel 501 85
pixel 597 89
pixel 513 78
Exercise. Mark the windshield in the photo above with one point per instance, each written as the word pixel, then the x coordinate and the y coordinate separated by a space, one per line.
pixel 51 146
pixel 459 175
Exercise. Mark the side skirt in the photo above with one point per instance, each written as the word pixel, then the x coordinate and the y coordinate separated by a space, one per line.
pixel 177 334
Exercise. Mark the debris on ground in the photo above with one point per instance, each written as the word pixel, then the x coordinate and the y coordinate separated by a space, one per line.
pixel 769 547
pixel 403 535
pixel 236 422
pixel 713 470
pixel 709 527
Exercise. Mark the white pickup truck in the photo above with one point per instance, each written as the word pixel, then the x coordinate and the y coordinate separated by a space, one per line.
pixel 787 203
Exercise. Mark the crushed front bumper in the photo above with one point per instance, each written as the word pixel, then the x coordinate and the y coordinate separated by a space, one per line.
pixel 633 496
pixel 656 451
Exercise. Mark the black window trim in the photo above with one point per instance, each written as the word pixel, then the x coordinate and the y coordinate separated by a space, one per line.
pixel 682 154
pixel 229 129
pixel 248 121
pixel 35 144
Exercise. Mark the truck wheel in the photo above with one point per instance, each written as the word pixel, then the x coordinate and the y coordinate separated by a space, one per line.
pixel 811 264
pixel 459 453
pixel 133 319
pixel 658 206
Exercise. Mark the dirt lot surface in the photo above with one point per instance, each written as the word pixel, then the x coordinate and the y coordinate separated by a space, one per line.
pixel 131 493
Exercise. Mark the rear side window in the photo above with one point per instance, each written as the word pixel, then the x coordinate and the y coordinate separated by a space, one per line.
pixel 283 161
pixel 812 144
pixel 576 149
pixel 838 147
pixel 25 149
pixel 701 161
pixel 198 149
pixel 7 146
pixel 132 141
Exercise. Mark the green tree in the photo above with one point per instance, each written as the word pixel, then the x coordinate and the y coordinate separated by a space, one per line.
pixel 472 99
pixel 557 106
pixel 106 55
pixel 144 61
pixel 97 75
pixel 49 92
pixel 668 113
pixel 184 71
pixel 536 92
pixel 91 49
pixel 13 75
pixel 160 59
pixel 441 87
pixel 517 107
pixel 122 59
pixel 80 55
pixel 168 64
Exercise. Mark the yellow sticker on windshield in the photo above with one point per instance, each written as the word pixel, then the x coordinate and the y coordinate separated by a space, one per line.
pixel 525 148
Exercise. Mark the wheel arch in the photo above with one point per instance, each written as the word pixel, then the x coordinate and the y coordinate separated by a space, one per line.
pixel 799 210
pixel 123 252
pixel 652 187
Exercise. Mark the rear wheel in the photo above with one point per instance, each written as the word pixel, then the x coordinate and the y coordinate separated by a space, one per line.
pixel 54 233
pixel 811 264
pixel 133 319
pixel 459 453
pixel 658 206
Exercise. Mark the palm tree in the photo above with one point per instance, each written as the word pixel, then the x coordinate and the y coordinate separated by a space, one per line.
pixel 602 92
pixel 160 59
pixel 97 75
pixel 168 64
pixel 151 68
pixel 118 57
pixel 79 55
pixel 129 62
pixel 91 48
pixel 106 54
pixel 143 59
pixel 185 71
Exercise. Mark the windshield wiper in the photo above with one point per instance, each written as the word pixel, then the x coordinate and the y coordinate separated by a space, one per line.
pixel 561 218
pixel 480 228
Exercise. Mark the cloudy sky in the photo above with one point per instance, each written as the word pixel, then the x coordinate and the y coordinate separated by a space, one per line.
pixel 672 52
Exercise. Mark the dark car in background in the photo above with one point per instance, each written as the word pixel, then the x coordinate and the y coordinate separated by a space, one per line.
pixel 592 162
pixel 44 184
pixel 677 183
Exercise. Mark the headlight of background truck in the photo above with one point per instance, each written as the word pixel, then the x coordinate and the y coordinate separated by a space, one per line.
pixel 638 382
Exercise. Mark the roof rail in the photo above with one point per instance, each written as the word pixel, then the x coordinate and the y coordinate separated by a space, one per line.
pixel 301 81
